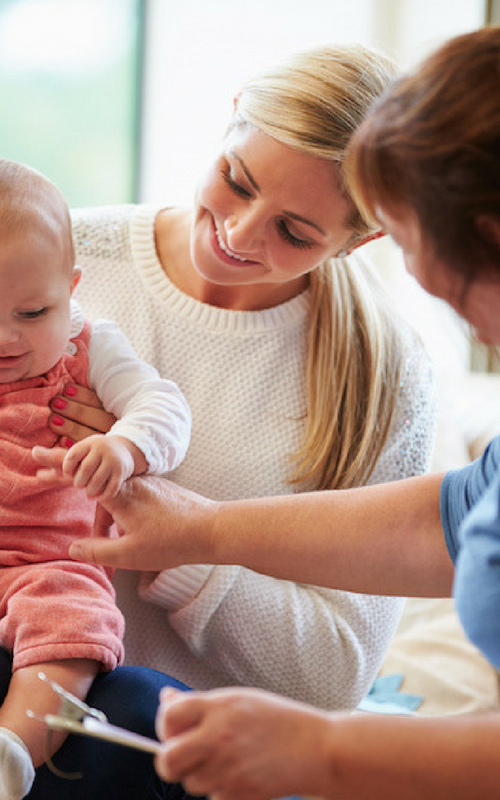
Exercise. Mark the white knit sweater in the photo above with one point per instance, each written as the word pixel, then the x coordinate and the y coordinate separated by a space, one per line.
pixel 242 373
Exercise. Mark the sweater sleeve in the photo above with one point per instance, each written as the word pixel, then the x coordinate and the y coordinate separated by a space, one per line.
pixel 470 507
pixel 410 444
pixel 318 645
pixel 151 412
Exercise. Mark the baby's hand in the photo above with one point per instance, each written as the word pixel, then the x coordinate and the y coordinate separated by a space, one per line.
pixel 50 461
pixel 101 464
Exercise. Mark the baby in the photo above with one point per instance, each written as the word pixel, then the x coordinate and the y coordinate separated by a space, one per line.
pixel 58 616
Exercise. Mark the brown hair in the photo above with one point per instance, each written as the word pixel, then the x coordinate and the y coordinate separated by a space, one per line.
pixel 432 144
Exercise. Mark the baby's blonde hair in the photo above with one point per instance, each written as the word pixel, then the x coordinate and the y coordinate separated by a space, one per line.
pixel 314 103
pixel 28 198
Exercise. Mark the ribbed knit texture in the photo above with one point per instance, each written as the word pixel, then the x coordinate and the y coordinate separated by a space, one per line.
pixel 242 373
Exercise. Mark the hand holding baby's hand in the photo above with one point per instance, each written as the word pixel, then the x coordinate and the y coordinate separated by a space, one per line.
pixel 99 464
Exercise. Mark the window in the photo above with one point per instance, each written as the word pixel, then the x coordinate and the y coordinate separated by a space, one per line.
pixel 69 78
pixel 199 53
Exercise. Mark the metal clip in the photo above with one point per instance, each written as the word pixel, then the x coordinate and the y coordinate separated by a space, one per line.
pixel 71 707
pixel 75 716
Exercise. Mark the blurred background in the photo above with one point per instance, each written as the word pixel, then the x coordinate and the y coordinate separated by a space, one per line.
pixel 126 100
pixel 121 101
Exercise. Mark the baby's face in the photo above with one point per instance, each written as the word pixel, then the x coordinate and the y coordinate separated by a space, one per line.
pixel 36 282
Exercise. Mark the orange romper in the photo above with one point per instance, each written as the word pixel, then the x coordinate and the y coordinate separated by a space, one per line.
pixel 51 608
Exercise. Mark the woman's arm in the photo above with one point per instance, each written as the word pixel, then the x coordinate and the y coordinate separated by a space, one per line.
pixel 243 744
pixel 344 635
pixel 384 539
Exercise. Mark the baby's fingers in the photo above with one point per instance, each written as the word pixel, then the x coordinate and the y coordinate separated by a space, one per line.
pixel 104 483
pixel 49 477
pixel 81 464
pixel 50 461
pixel 49 457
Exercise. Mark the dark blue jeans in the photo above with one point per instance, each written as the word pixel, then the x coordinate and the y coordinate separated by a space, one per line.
pixel 129 698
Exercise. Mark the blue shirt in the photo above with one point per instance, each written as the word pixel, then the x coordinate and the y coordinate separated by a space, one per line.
pixel 470 515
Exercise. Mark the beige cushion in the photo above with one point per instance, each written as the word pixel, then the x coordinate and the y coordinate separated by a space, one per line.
pixel 431 650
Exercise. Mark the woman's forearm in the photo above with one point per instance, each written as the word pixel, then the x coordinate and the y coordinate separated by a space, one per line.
pixel 403 758
pixel 246 743
pixel 384 539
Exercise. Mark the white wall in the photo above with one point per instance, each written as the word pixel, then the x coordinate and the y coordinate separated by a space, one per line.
pixel 198 52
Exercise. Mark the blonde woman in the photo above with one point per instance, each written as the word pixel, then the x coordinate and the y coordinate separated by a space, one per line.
pixel 426 164
pixel 298 374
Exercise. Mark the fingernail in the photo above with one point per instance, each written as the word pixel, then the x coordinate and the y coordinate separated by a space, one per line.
pixel 70 391
pixel 68 442
pixel 56 420
pixel 75 551
pixel 59 402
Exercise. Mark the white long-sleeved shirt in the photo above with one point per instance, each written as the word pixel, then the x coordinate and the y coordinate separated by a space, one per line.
pixel 243 374
pixel 151 411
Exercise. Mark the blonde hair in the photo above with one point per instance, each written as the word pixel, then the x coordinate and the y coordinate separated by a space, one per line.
pixel 314 103
pixel 27 199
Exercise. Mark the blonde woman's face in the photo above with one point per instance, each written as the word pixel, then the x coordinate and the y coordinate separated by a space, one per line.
pixel 266 213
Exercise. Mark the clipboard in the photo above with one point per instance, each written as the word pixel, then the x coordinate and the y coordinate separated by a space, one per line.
pixel 75 716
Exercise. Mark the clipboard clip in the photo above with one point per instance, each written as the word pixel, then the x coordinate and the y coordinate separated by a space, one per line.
pixel 75 716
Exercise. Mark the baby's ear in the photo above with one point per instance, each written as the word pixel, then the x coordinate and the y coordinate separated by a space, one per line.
pixel 77 274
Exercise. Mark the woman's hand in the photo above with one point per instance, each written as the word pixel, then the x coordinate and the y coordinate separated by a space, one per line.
pixel 160 526
pixel 78 413
pixel 241 744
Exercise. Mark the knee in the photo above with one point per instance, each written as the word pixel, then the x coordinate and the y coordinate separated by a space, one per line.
pixel 129 697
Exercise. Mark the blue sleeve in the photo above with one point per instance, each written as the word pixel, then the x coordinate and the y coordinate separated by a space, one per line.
pixel 470 508
pixel 462 489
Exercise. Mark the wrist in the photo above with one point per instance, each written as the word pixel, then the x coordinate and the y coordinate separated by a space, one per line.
pixel 207 532
pixel 138 461
pixel 226 540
